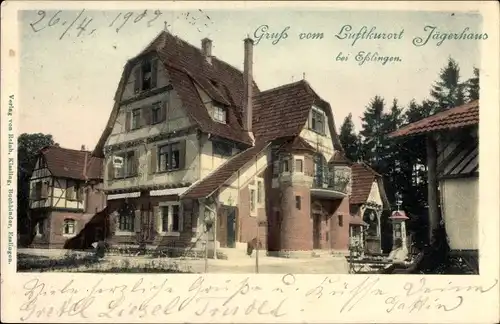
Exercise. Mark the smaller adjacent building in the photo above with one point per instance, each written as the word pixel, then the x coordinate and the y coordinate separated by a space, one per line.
pixel 65 193
pixel 452 141
pixel 367 202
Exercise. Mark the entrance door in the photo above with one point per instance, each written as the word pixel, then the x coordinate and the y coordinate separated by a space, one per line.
pixel 316 230
pixel 231 228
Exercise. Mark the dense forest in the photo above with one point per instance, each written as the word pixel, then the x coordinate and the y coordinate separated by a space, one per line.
pixel 402 161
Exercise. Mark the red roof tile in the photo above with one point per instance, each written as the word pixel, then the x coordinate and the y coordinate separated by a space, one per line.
pixel 362 180
pixel 69 163
pixel 340 158
pixel 458 117
pixel 297 144
pixel 213 181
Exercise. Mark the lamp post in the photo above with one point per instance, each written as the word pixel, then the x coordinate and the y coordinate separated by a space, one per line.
pixel 398 218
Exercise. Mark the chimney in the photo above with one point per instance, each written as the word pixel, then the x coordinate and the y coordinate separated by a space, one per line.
pixel 83 148
pixel 206 49
pixel 248 86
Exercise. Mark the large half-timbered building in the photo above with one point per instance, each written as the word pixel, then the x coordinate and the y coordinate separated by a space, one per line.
pixel 198 143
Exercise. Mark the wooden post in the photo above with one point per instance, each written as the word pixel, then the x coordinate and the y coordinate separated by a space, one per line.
pixel 432 185
pixel 257 247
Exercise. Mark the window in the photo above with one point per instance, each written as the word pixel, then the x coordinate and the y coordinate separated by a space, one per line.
pixel 69 227
pixel 318 121
pixel 341 220
pixel 136 119
pixel 276 168
pixel 252 200
pixel 297 202
pixel 170 219
pixel 220 114
pixel 70 190
pixel 128 168
pixel 156 113
pixel 285 166
pixel 146 69
pixel 126 222
pixel 38 190
pixel 222 149
pixel 299 167
pixel 40 227
pixel 169 156
pixel 260 191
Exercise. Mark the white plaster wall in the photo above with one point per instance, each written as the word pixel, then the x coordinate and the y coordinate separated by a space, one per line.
pixel 459 199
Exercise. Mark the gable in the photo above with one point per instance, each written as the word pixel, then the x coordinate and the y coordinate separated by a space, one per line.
pixel 374 196
pixel 40 170
pixel 171 109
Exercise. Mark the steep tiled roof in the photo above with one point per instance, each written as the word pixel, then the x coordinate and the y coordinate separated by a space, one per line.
pixel 186 67
pixel 362 180
pixel 221 81
pixel 213 181
pixel 283 111
pixel 70 163
pixel 340 158
pixel 297 144
pixel 458 117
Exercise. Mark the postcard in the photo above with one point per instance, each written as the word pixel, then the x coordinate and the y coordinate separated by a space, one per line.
pixel 250 162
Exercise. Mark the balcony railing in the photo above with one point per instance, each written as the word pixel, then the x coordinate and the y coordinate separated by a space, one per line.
pixel 330 182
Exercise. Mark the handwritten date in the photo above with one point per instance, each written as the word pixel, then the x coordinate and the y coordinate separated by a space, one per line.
pixel 82 23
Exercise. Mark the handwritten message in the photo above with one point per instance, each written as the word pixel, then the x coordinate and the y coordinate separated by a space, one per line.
pixel 354 35
pixel 83 23
pixel 288 297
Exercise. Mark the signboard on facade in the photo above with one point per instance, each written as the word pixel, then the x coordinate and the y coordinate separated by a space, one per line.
pixel 117 162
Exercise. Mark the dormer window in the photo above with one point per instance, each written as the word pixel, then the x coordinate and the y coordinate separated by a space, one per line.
pixel 146 69
pixel 145 75
pixel 220 114
pixel 317 121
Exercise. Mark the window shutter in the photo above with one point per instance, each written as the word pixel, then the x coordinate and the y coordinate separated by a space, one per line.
pixel 137 220
pixel 146 115
pixel 154 73
pixel 45 190
pixel 137 79
pixel 111 169
pixel 128 117
pixel 153 159
pixel 182 154
pixel 165 108
pixel 136 163
pixel 156 219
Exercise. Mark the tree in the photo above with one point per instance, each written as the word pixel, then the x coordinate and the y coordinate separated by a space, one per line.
pixel 448 91
pixel 28 147
pixel 349 139
pixel 372 132
pixel 472 86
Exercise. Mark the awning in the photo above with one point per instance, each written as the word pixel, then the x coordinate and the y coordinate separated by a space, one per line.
pixel 124 195
pixel 168 192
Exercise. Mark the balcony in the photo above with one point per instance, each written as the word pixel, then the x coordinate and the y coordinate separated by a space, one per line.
pixel 333 184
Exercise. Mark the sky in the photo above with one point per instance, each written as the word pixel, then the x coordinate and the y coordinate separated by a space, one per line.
pixel 67 81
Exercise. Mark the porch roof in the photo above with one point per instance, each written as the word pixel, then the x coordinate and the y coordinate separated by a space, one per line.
pixel 457 117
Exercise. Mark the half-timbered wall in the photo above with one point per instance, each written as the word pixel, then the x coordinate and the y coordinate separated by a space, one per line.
pixel 458 167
